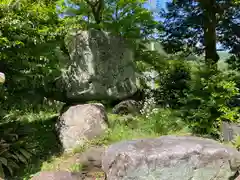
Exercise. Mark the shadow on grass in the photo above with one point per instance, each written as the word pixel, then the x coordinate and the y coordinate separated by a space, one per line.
pixel 44 143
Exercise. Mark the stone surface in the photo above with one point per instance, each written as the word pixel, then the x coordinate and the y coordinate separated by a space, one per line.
pixel 2 78
pixel 89 161
pixel 60 175
pixel 92 157
pixel 170 158
pixel 127 107
pixel 101 67
pixel 80 123
pixel 230 130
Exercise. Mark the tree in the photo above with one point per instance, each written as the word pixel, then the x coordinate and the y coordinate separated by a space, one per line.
pixel 126 18
pixel 97 8
pixel 209 8
pixel 30 34
pixel 193 23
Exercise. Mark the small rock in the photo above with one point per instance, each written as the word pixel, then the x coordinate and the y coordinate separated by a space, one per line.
pixel 230 130
pixel 2 78
pixel 127 107
pixel 80 123
pixel 91 157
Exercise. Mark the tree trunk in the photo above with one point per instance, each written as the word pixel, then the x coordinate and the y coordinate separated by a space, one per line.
pixel 209 27
pixel 97 9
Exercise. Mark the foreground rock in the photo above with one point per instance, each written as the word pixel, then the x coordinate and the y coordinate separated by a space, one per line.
pixel 170 158
pixel 80 123
pixel 60 175
pixel 101 67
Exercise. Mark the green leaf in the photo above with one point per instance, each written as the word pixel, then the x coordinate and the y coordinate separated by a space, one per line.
pixel 13 164
pixel 25 153
pixel 3 161
pixel 21 158
pixel 2 175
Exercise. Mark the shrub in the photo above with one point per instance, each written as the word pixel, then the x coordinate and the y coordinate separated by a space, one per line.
pixel 159 120
pixel 148 104
pixel 172 83
pixel 164 121
pixel 13 150
pixel 206 102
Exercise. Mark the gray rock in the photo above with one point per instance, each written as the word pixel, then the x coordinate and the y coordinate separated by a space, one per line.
pixel 80 123
pixel 2 78
pixel 230 130
pixel 127 107
pixel 60 175
pixel 170 158
pixel 101 67
pixel 92 157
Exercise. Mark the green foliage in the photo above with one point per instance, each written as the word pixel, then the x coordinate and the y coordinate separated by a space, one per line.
pixel 128 18
pixel 173 82
pixel 30 41
pixel 76 167
pixel 125 18
pixel 206 103
pixel 183 28
pixel 236 142
pixel 163 121
pixel 13 151
pixel 234 62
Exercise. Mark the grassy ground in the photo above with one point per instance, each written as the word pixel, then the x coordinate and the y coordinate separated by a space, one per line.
pixel 47 149
pixel 48 154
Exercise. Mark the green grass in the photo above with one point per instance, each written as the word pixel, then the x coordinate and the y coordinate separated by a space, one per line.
pixel 40 126
pixel 119 130
pixel 76 167
pixel 48 153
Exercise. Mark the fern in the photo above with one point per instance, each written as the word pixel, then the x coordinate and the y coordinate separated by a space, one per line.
pixel 13 152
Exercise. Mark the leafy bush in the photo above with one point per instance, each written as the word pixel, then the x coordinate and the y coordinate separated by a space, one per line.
pixel 163 121
pixel 30 41
pixel 233 62
pixel 13 150
pixel 159 120
pixel 148 105
pixel 173 81
pixel 206 102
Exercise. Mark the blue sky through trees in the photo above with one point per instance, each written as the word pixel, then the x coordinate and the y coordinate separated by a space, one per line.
pixel 153 5
pixel 156 5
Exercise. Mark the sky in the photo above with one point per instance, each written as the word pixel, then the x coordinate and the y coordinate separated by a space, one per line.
pixel 156 4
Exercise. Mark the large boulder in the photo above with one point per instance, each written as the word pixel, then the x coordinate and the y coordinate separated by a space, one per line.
pixel 170 158
pixel 80 123
pixel 101 67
